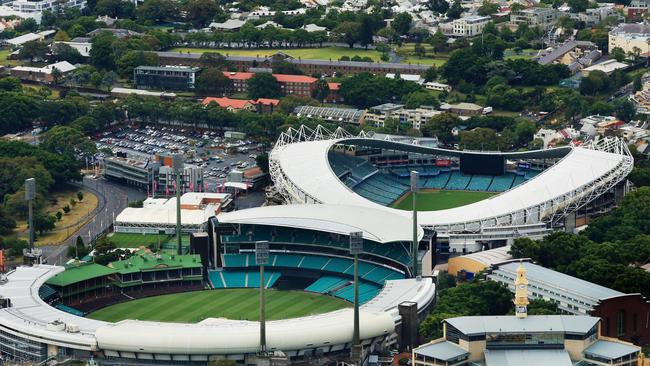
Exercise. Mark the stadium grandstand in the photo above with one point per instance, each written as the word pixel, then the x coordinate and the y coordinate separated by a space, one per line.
pixel 44 308
pixel 471 200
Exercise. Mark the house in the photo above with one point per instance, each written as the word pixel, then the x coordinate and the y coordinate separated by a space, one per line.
pixel 432 85
pixel 407 77
pixel 261 105
pixel 44 74
pixel 469 26
pixel 40 36
pixel 117 32
pixel 313 28
pixel 230 25
pixel 462 109
pixel 82 47
pixel 608 67
pixel 334 96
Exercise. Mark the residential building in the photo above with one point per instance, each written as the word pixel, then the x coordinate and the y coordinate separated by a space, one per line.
pixel 637 9
pixel 39 6
pixel 432 85
pixel 82 47
pixel 230 25
pixel 522 339
pixel 608 67
pixel 165 77
pixel 641 99
pixel 543 18
pixel 377 115
pixel 407 77
pixel 290 84
pixel 630 37
pixel 44 74
pixel 261 105
pixel 469 26
pixel 575 54
pixel 418 116
pixel 117 32
pixel 43 36
pixel 330 114
pixel 462 109
pixel 599 125
pixel 334 96
pixel 313 28
pixel 595 16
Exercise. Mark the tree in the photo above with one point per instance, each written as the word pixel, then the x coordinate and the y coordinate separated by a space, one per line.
pixel 201 12
pixel 264 85
pixel 366 30
pixel 637 85
pixel 27 25
pixel 321 90
pixel 348 32
pixel 7 223
pixel 420 98
pixel 288 68
pixel 438 41
pixel 80 196
pixel 488 8
pixel 456 10
pixel 214 60
pixel 402 23
pixel 211 81
pixel 262 161
pixel 440 126
pixel 439 6
pixel 618 54
pixel 480 139
pixel 624 109
pixel 101 52
pixel 67 141
pixel 44 222
pixel 64 52
pixel 61 36
pixel 578 6
pixel 33 50
pixel 132 59
pixel 430 74
pixel 157 11
pixel 115 8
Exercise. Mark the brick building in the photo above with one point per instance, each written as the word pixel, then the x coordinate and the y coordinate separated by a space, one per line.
pixel 625 317
pixel 290 84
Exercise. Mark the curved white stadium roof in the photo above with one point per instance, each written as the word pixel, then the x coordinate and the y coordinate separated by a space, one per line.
pixel 305 170
pixel 341 219
pixel 30 317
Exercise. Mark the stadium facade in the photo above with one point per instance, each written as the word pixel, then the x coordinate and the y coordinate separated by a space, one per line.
pixel 40 318
pixel 532 192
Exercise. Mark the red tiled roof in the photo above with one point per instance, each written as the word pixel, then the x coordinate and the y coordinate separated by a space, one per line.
pixel 227 102
pixel 334 86
pixel 283 78
pixel 238 75
pixel 266 101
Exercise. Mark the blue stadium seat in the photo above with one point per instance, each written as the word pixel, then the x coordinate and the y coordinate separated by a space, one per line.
pixel 479 183
pixel 313 262
pixel 234 279
pixel 337 265
pixel 70 310
pixel 458 181
pixel 234 260
pixel 215 279
pixel 501 183
pixel 326 283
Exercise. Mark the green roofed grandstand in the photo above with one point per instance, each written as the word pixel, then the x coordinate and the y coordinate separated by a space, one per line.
pixel 79 272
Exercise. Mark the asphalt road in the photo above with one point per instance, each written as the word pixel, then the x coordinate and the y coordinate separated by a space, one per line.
pixel 113 199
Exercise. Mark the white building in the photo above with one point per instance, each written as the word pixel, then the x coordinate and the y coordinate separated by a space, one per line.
pixel 469 26
pixel 543 18
pixel 37 7
pixel 407 77
pixel 432 85
pixel 630 36
pixel 571 294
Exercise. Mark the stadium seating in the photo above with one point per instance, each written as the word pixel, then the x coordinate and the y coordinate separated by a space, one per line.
pixel 518 180
pixel 46 292
pixel 359 168
pixel 437 182
pixel 458 181
pixel 501 183
pixel 366 292
pixel 479 183
pixel 339 265
pixel 532 173
pixel 326 283
pixel 70 310
pixel 234 278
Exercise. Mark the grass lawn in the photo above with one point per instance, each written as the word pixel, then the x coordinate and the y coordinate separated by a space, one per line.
pixel 238 304
pixel 324 53
pixel 132 240
pixel 434 200
pixel 4 53
pixel 69 223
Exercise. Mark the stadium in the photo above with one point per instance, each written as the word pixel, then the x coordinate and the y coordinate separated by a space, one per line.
pixel 467 200
pixel 165 308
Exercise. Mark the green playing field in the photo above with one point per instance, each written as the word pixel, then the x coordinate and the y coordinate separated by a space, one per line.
pixel 238 304
pixel 440 200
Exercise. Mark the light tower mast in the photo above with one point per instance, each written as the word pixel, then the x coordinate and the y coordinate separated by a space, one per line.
pixel 521 292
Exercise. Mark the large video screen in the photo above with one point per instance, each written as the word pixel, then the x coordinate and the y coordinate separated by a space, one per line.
pixel 482 164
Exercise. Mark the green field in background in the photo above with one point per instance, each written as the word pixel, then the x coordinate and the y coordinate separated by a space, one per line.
pixel 441 200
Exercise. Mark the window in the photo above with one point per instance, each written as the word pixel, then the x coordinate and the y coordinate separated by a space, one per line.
pixel 620 323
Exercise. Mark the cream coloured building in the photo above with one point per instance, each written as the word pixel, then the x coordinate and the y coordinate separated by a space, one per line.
pixel 630 36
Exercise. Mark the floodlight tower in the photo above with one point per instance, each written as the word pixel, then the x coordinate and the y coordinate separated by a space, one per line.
pixel 177 168
pixel 414 191
pixel 356 247
pixel 262 258
pixel 30 194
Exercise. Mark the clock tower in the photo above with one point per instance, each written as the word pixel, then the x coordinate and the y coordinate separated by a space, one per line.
pixel 521 292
